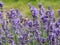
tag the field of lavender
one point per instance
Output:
(22, 5)
(42, 28)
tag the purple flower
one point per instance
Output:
(52, 26)
(30, 23)
(51, 36)
(44, 19)
(48, 13)
(35, 24)
(45, 28)
(56, 31)
(0, 43)
(20, 39)
(25, 37)
(1, 4)
(15, 21)
(40, 5)
(13, 13)
(42, 10)
(17, 11)
(57, 24)
(1, 15)
(59, 13)
(43, 40)
(3, 38)
(34, 12)
(49, 8)
(29, 5)
(12, 10)
(10, 41)
(10, 36)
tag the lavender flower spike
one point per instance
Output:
(59, 13)
(1, 4)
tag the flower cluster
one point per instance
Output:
(43, 29)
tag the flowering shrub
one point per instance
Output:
(17, 30)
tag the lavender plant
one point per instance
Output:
(43, 29)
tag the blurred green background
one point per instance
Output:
(22, 5)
